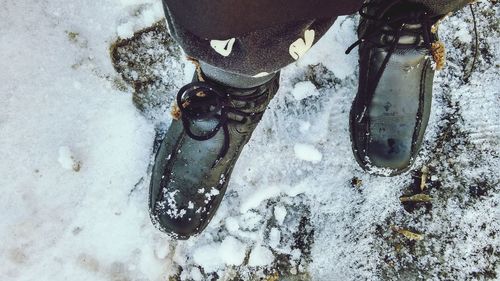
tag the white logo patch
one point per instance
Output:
(223, 47)
(261, 74)
(301, 46)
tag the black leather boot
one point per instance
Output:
(390, 112)
(197, 156)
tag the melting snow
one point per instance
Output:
(307, 152)
(63, 105)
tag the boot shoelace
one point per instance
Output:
(204, 101)
(391, 28)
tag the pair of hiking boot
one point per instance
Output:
(387, 119)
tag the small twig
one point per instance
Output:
(410, 235)
(418, 198)
(136, 186)
(476, 45)
(423, 180)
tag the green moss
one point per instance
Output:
(72, 36)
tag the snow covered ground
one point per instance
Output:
(77, 139)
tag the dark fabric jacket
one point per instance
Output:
(237, 17)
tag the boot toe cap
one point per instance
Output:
(181, 224)
(393, 155)
(181, 228)
(181, 211)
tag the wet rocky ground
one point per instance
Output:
(446, 227)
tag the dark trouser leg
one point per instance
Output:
(443, 7)
(250, 59)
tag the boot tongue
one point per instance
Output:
(204, 126)
(409, 34)
(409, 16)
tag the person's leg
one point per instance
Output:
(236, 79)
(399, 51)
(254, 54)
